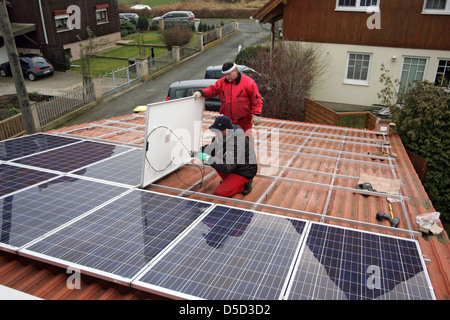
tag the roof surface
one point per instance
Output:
(306, 171)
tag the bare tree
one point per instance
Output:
(287, 77)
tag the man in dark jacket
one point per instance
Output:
(232, 155)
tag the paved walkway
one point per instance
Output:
(52, 85)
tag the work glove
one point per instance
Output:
(203, 156)
(197, 95)
(256, 120)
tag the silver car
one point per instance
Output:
(183, 18)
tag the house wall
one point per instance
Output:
(29, 12)
(332, 86)
(402, 25)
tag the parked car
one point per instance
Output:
(215, 72)
(186, 88)
(128, 16)
(33, 67)
(184, 18)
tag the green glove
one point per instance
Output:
(203, 156)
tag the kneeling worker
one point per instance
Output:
(232, 155)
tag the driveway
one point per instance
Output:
(155, 90)
(52, 85)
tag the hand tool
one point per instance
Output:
(394, 221)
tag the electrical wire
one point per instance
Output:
(202, 169)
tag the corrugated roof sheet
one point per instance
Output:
(305, 170)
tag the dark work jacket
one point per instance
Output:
(234, 154)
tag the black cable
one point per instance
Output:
(202, 170)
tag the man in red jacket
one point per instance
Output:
(239, 95)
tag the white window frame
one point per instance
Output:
(445, 11)
(358, 7)
(65, 17)
(356, 81)
(105, 10)
(437, 69)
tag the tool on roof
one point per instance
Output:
(394, 221)
(365, 186)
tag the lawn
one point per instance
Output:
(101, 66)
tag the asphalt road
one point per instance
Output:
(249, 34)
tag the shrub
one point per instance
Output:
(422, 122)
(176, 36)
(126, 28)
(142, 24)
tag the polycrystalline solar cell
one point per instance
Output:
(230, 254)
(339, 263)
(33, 212)
(125, 168)
(74, 156)
(123, 236)
(13, 178)
(24, 146)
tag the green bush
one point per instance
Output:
(126, 28)
(423, 122)
(142, 24)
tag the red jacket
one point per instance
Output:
(240, 99)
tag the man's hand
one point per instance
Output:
(203, 156)
(256, 120)
(197, 95)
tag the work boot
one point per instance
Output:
(247, 187)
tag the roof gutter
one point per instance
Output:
(43, 22)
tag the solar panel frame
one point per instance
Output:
(362, 254)
(72, 157)
(15, 178)
(252, 250)
(33, 144)
(116, 168)
(40, 209)
(107, 242)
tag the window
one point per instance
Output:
(101, 13)
(61, 22)
(413, 70)
(356, 5)
(358, 66)
(443, 73)
(436, 7)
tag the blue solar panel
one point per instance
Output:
(339, 263)
(230, 254)
(73, 157)
(24, 146)
(122, 237)
(125, 168)
(14, 178)
(31, 213)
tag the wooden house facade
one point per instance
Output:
(60, 24)
(358, 36)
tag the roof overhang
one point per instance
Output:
(19, 29)
(271, 12)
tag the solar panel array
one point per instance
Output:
(72, 202)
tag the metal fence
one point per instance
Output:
(228, 28)
(119, 80)
(65, 103)
(160, 62)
